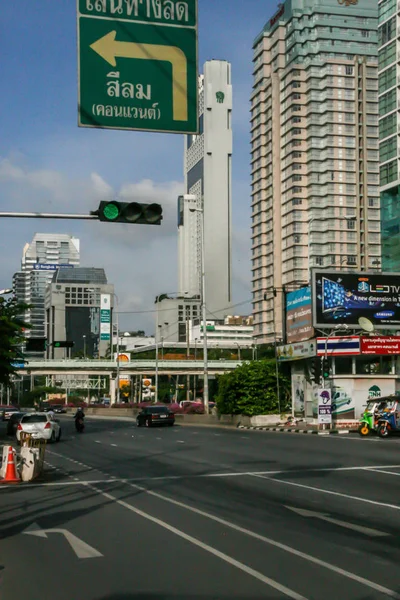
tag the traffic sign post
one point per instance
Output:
(137, 64)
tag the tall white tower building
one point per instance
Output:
(208, 185)
(40, 259)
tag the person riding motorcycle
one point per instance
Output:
(79, 416)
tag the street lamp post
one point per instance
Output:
(337, 328)
(238, 350)
(204, 312)
(117, 327)
(156, 340)
(84, 346)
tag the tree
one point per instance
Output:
(251, 390)
(12, 328)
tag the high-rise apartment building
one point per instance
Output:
(389, 85)
(314, 149)
(208, 177)
(40, 259)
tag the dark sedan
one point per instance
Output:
(13, 421)
(155, 415)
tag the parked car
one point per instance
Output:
(41, 426)
(7, 411)
(155, 415)
(13, 421)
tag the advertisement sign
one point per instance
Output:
(296, 351)
(45, 267)
(338, 346)
(105, 316)
(123, 357)
(324, 406)
(299, 316)
(380, 345)
(342, 298)
(298, 383)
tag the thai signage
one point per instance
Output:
(296, 351)
(299, 316)
(138, 65)
(380, 345)
(342, 298)
(105, 316)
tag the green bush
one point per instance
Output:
(251, 390)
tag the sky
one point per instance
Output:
(48, 163)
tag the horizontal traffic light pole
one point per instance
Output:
(109, 211)
(26, 215)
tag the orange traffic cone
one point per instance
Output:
(11, 475)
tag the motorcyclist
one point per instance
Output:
(79, 413)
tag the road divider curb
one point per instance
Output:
(291, 430)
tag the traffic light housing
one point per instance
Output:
(36, 345)
(63, 344)
(129, 212)
(315, 370)
(326, 368)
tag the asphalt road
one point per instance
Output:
(194, 513)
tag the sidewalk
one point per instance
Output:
(301, 427)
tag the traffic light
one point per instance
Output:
(129, 212)
(36, 345)
(326, 368)
(63, 344)
(315, 370)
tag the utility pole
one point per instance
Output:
(187, 356)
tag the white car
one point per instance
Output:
(41, 426)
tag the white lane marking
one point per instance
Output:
(210, 549)
(81, 549)
(180, 442)
(217, 434)
(114, 445)
(330, 492)
(158, 438)
(97, 441)
(275, 544)
(324, 517)
(377, 470)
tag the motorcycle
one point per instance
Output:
(79, 424)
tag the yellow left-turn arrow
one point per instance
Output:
(110, 49)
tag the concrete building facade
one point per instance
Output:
(72, 303)
(208, 177)
(389, 96)
(314, 149)
(40, 259)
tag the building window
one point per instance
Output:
(352, 260)
(388, 173)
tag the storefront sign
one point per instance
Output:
(296, 351)
(380, 345)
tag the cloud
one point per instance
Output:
(141, 261)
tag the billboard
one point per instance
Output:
(105, 317)
(299, 316)
(342, 298)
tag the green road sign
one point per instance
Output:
(137, 62)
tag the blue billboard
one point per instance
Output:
(299, 316)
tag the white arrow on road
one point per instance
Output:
(324, 517)
(81, 549)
